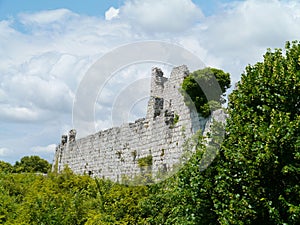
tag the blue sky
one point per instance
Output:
(47, 47)
(88, 7)
(10, 8)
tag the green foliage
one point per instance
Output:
(134, 155)
(5, 167)
(145, 165)
(145, 161)
(259, 171)
(176, 119)
(29, 164)
(199, 85)
(66, 198)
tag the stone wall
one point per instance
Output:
(116, 152)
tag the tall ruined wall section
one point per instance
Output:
(115, 152)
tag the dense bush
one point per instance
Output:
(66, 198)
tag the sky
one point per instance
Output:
(47, 48)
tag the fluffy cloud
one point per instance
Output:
(4, 151)
(242, 31)
(161, 15)
(35, 89)
(39, 72)
(44, 149)
(21, 114)
(46, 17)
(254, 23)
(111, 13)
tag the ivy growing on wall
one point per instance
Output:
(145, 161)
(176, 119)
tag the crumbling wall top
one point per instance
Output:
(72, 135)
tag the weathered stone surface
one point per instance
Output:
(72, 135)
(64, 139)
(114, 153)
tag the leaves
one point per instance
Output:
(260, 149)
(203, 89)
(32, 164)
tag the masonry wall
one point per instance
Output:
(114, 153)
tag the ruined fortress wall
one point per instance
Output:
(115, 153)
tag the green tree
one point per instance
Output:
(259, 166)
(32, 164)
(204, 88)
(5, 167)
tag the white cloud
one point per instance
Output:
(40, 73)
(44, 149)
(4, 151)
(20, 114)
(254, 23)
(46, 17)
(102, 124)
(161, 15)
(242, 32)
(35, 92)
(111, 13)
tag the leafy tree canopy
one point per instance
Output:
(32, 164)
(204, 88)
(259, 176)
(5, 167)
